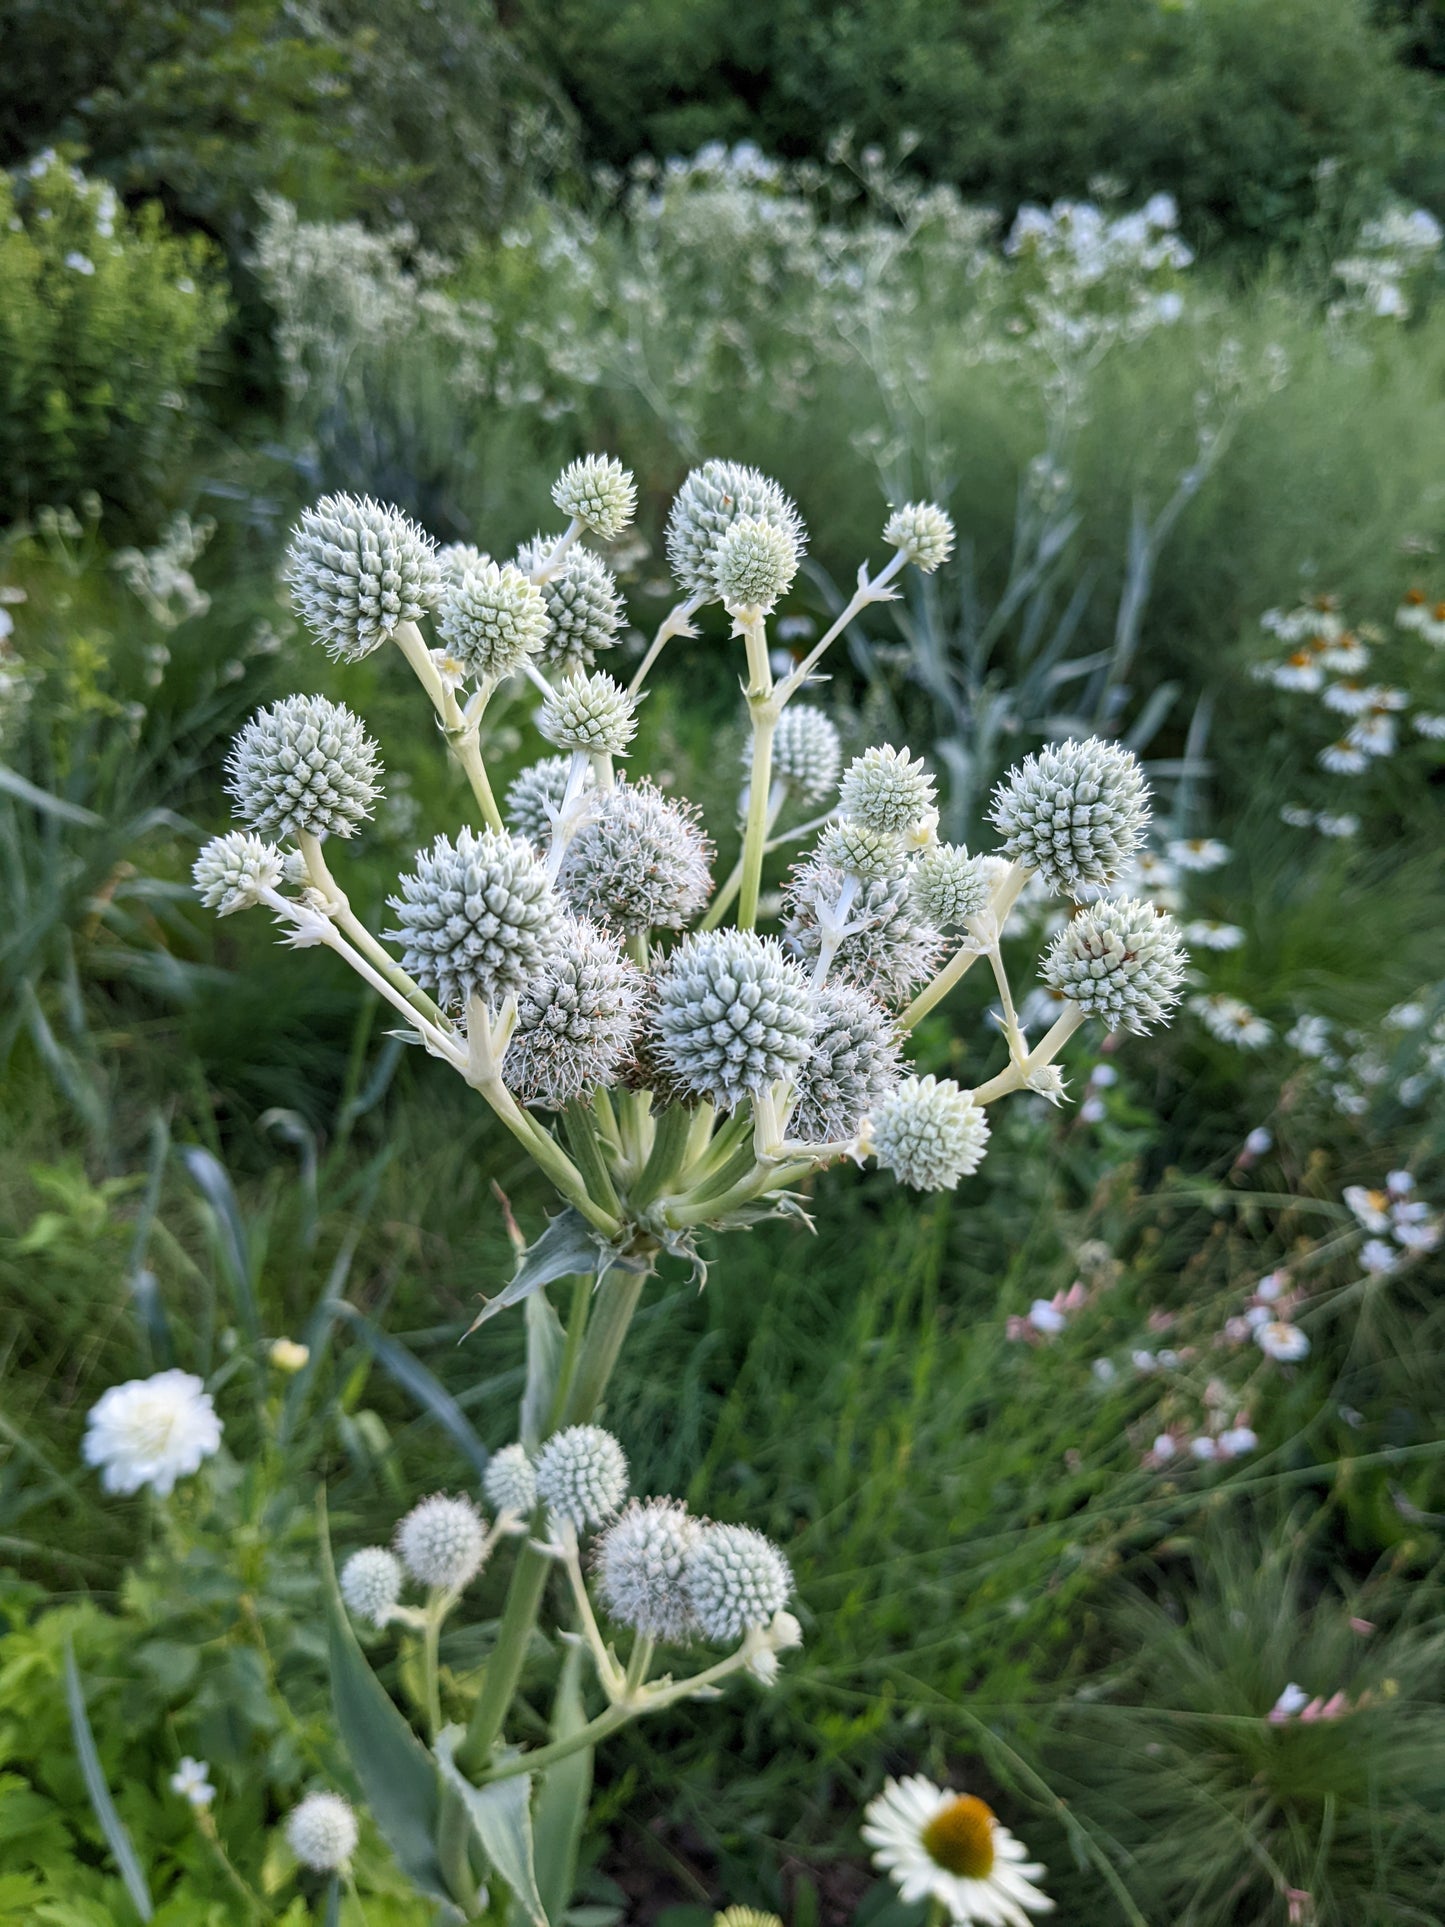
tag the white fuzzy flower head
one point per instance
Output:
(1076, 813)
(575, 1020)
(371, 1584)
(442, 1541)
(733, 1015)
(806, 753)
(639, 863)
(598, 492)
(582, 1475)
(756, 562)
(232, 870)
(584, 609)
(476, 918)
(356, 569)
(889, 947)
(322, 1832)
(950, 886)
(854, 1063)
(924, 532)
(538, 790)
(455, 558)
(491, 619)
(928, 1133)
(1119, 960)
(192, 1781)
(589, 711)
(887, 789)
(509, 1480)
(949, 1848)
(736, 1580)
(872, 856)
(641, 1567)
(304, 764)
(151, 1431)
(707, 505)
(1281, 1341)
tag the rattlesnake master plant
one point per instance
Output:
(674, 1070)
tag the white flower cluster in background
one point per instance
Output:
(1393, 253)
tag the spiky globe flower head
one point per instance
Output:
(599, 493)
(232, 870)
(491, 618)
(1121, 960)
(476, 918)
(928, 1133)
(745, 1917)
(371, 1584)
(887, 789)
(509, 1480)
(872, 856)
(923, 532)
(950, 886)
(806, 753)
(304, 764)
(455, 558)
(1076, 813)
(356, 569)
(575, 1020)
(639, 862)
(855, 1062)
(710, 501)
(734, 1014)
(889, 947)
(736, 1580)
(322, 1832)
(442, 1542)
(582, 1475)
(756, 563)
(584, 609)
(540, 787)
(589, 711)
(641, 1566)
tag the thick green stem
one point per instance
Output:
(764, 713)
(668, 1148)
(582, 1136)
(613, 1304)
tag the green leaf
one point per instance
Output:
(396, 1774)
(568, 1246)
(560, 1809)
(111, 1824)
(425, 1388)
(502, 1816)
(209, 1176)
(25, 792)
(545, 1343)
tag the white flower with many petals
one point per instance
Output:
(947, 1847)
(1281, 1341)
(151, 1431)
(1198, 853)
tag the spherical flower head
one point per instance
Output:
(734, 1014)
(923, 532)
(745, 1917)
(589, 711)
(736, 1580)
(232, 870)
(1121, 960)
(476, 918)
(371, 1584)
(455, 558)
(641, 1568)
(151, 1431)
(582, 1475)
(356, 569)
(322, 1832)
(950, 886)
(442, 1542)
(949, 1849)
(304, 764)
(491, 618)
(928, 1133)
(890, 948)
(576, 1019)
(872, 856)
(537, 791)
(509, 1480)
(598, 492)
(639, 863)
(806, 753)
(1076, 813)
(855, 1062)
(886, 789)
(584, 609)
(756, 562)
(707, 505)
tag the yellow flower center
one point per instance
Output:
(959, 1838)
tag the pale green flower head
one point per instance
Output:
(733, 1015)
(1120, 960)
(710, 501)
(887, 789)
(1076, 812)
(872, 856)
(950, 886)
(476, 918)
(736, 1580)
(442, 1542)
(322, 1832)
(928, 1133)
(641, 1567)
(356, 569)
(371, 1584)
(575, 1020)
(599, 493)
(538, 789)
(854, 1063)
(304, 764)
(582, 1475)
(639, 862)
(807, 754)
(584, 608)
(923, 532)
(756, 563)
(510, 1481)
(491, 618)
(232, 870)
(589, 711)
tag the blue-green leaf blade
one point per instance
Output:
(502, 1816)
(111, 1824)
(423, 1385)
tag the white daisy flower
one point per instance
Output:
(1421, 1236)
(1375, 734)
(1347, 656)
(1429, 725)
(1232, 1021)
(1378, 1257)
(1348, 698)
(1299, 671)
(1342, 826)
(1283, 1342)
(1209, 935)
(1343, 759)
(949, 1848)
(1198, 853)
(151, 1431)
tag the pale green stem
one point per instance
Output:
(460, 733)
(1047, 1049)
(639, 1663)
(439, 1603)
(606, 1119)
(340, 911)
(763, 710)
(677, 622)
(722, 902)
(699, 1135)
(582, 1136)
(558, 554)
(669, 1146)
(968, 954)
(1017, 1046)
(608, 1672)
(867, 592)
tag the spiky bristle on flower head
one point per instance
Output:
(854, 1063)
(356, 569)
(510, 1481)
(231, 871)
(491, 619)
(1075, 812)
(924, 533)
(1120, 960)
(889, 947)
(928, 1133)
(582, 1475)
(733, 1014)
(476, 918)
(598, 492)
(639, 862)
(887, 789)
(584, 608)
(442, 1542)
(710, 501)
(589, 711)
(641, 1567)
(736, 1580)
(575, 1020)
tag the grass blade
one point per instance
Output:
(111, 1824)
(424, 1387)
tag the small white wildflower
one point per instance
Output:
(950, 1850)
(582, 1475)
(510, 1481)
(191, 1780)
(1232, 1021)
(1281, 1341)
(924, 533)
(151, 1431)
(736, 1580)
(1198, 853)
(371, 1584)
(598, 492)
(1378, 1257)
(1209, 935)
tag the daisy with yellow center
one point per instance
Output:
(949, 1849)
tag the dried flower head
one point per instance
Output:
(806, 753)
(950, 886)
(854, 1063)
(889, 947)
(476, 918)
(641, 1567)
(584, 609)
(304, 764)
(538, 790)
(928, 1133)
(756, 563)
(582, 1475)
(322, 1832)
(733, 1015)
(356, 569)
(589, 711)
(639, 862)
(232, 870)
(924, 532)
(371, 1584)
(1076, 813)
(1120, 960)
(599, 493)
(576, 1019)
(736, 1580)
(510, 1481)
(442, 1542)
(710, 500)
(886, 789)
(491, 619)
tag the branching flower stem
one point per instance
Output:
(1017, 1075)
(338, 908)
(870, 589)
(462, 734)
(677, 622)
(969, 952)
(764, 709)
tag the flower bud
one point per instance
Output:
(441, 1542)
(1076, 813)
(598, 492)
(928, 1133)
(232, 870)
(582, 1475)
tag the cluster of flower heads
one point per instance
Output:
(1402, 1058)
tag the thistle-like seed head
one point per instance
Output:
(950, 886)
(599, 492)
(711, 499)
(872, 856)
(576, 1019)
(886, 789)
(929, 1133)
(806, 753)
(539, 787)
(584, 608)
(304, 764)
(641, 1566)
(510, 1481)
(371, 1584)
(491, 618)
(733, 1014)
(854, 1063)
(756, 563)
(1076, 812)
(639, 862)
(582, 1475)
(476, 918)
(589, 711)
(1121, 960)
(442, 1541)
(232, 870)
(322, 1832)
(924, 532)
(736, 1580)
(356, 569)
